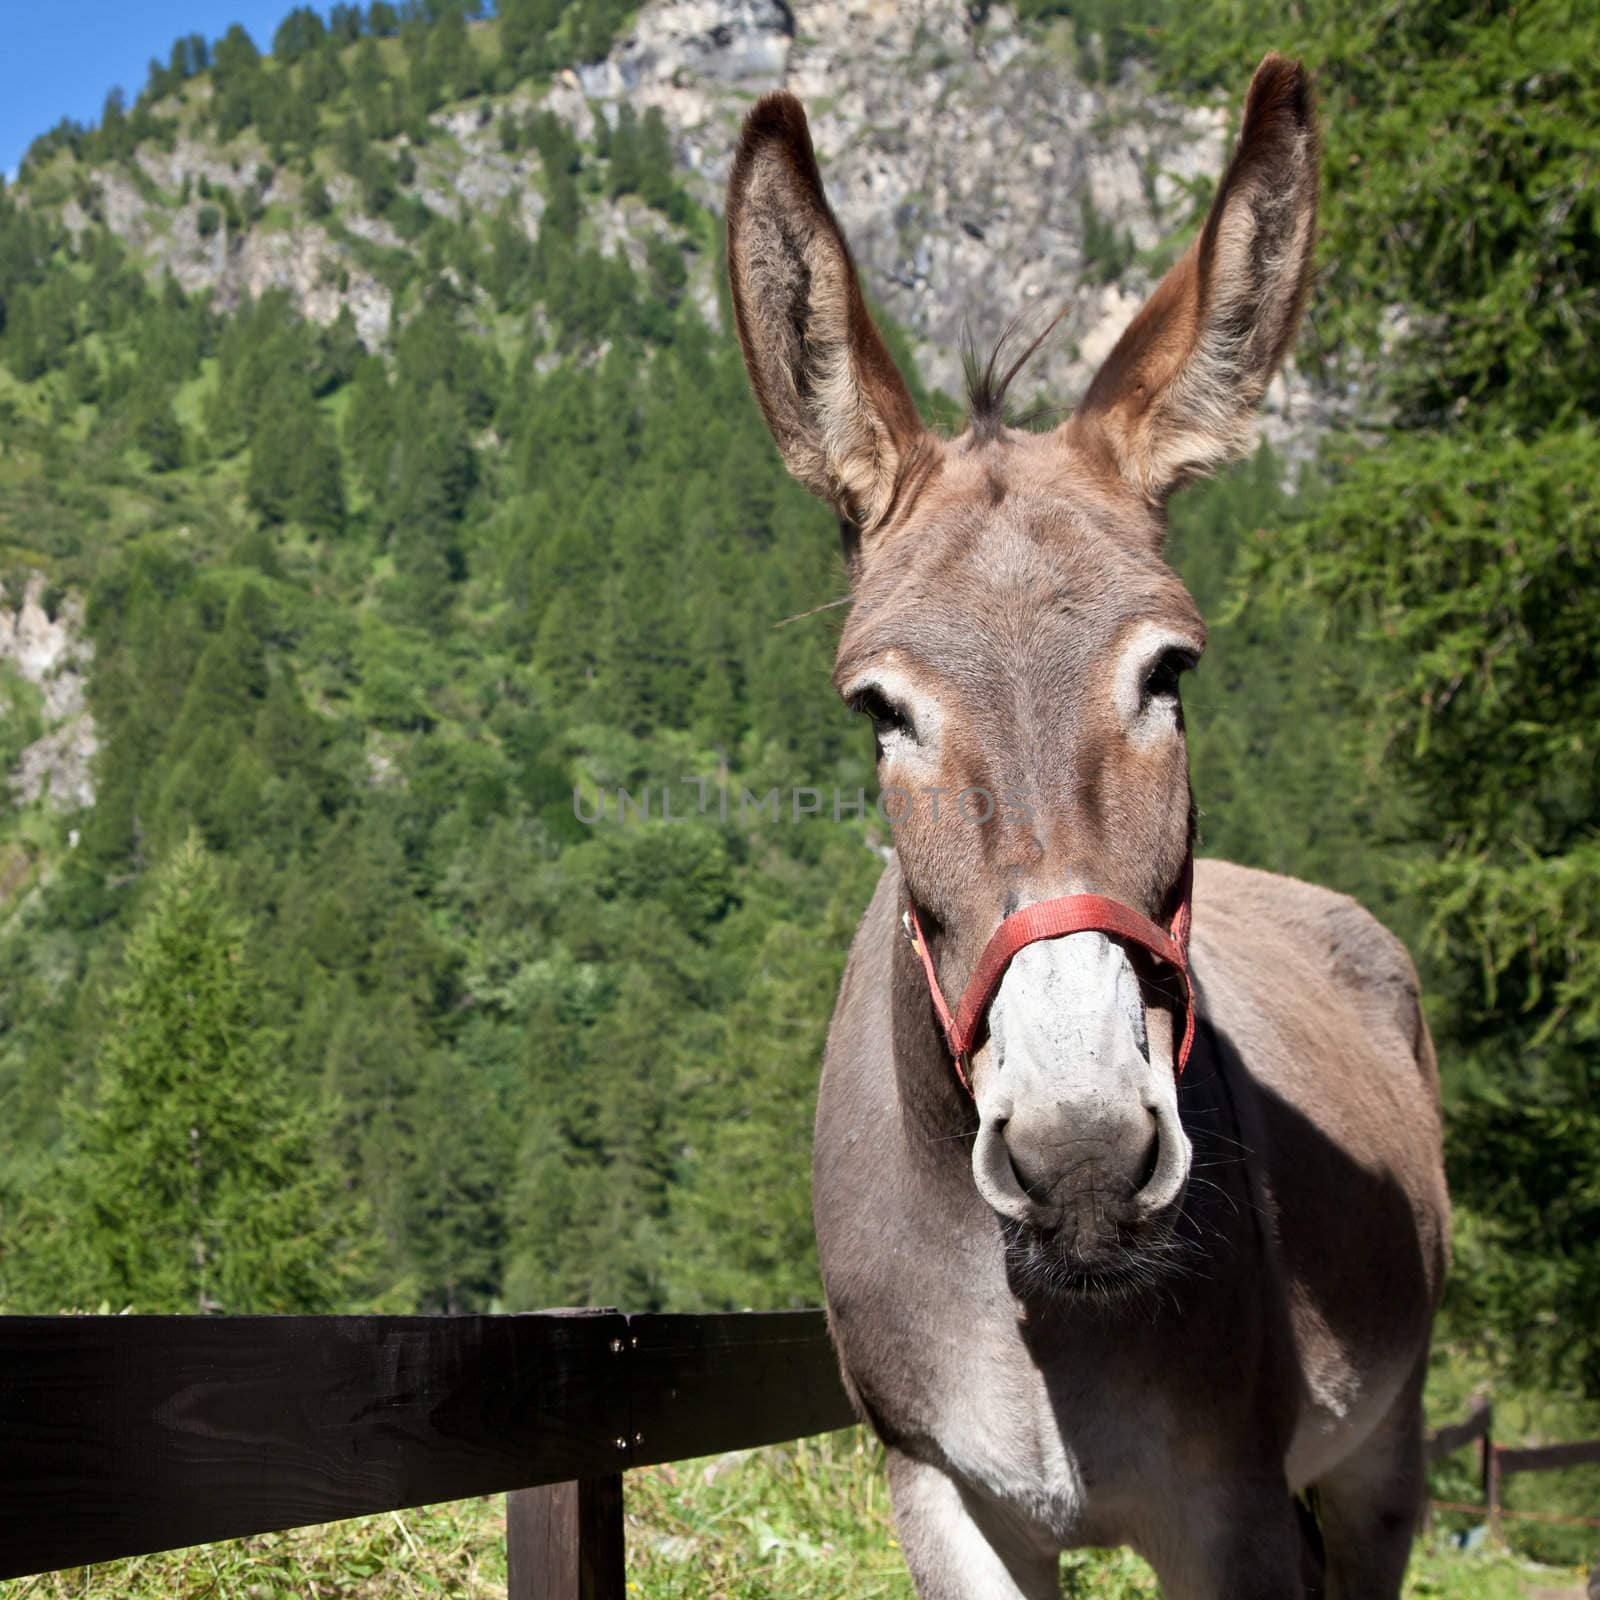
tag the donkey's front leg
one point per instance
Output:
(959, 1547)
(1371, 1504)
(1231, 1541)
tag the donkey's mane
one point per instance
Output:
(987, 385)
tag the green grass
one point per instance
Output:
(806, 1521)
(456, 1549)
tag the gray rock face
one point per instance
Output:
(980, 178)
(707, 43)
(974, 197)
(54, 654)
(320, 274)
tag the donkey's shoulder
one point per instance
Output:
(1341, 928)
(1276, 924)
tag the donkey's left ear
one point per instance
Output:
(842, 416)
(1176, 397)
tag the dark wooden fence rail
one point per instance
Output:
(1454, 1435)
(1496, 1463)
(123, 1435)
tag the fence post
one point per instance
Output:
(564, 1541)
(1491, 1477)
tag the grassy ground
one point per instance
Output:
(808, 1521)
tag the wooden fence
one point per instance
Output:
(1496, 1463)
(123, 1435)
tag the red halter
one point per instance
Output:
(1051, 919)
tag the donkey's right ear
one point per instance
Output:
(842, 416)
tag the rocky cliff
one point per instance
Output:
(50, 655)
(980, 178)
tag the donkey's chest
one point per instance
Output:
(951, 1382)
(1007, 1442)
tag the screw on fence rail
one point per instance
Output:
(564, 1541)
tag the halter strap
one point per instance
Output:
(1053, 919)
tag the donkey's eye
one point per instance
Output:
(1162, 682)
(887, 718)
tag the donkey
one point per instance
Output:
(1084, 1299)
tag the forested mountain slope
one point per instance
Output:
(376, 469)
(958, 147)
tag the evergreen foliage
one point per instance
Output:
(295, 472)
(1462, 242)
(156, 429)
(365, 619)
(193, 1180)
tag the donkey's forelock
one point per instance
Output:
(989, 383)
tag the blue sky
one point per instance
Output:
(61, 56)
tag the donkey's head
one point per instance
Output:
(1016, 640)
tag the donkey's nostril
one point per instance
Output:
(1024, 1183)
(1152, 1155)
(1031, 1167)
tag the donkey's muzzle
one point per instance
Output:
(1060, 1170)
(1078, 1130)
(1091, 1186)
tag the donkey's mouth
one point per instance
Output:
(1049, 1263)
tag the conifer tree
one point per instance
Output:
(197, 1181)
(239, 82)
(369, 424)
(436, 476)
(295, 468)
(624, 145)
(458, 1184)
(742, 1208)
(654, 156)
(156, 429)
(299, 34)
